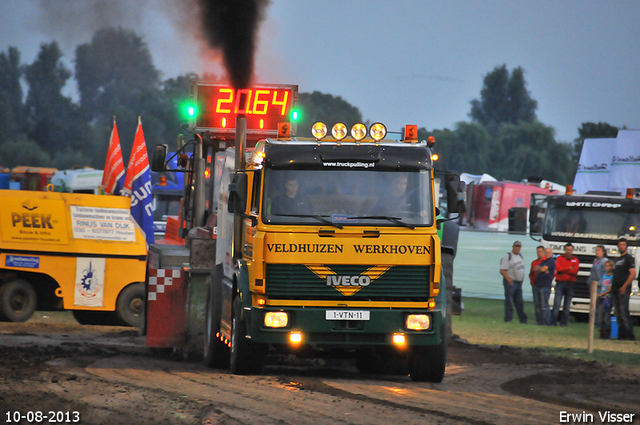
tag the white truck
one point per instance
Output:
(587, 221)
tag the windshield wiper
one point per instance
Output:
(395, 220)
(316, 216)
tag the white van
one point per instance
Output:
(82, 180)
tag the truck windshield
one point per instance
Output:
(347, 197)
(603, 224)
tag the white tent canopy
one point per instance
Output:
(609, 164)
(594, 166)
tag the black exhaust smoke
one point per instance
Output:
(232, 27)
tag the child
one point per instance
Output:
(604, 302)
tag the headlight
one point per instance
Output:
(358, 131)
(418, 322)
(276, 319)
(319, 130)
(377, 131)
(339, 131)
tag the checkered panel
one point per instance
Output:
(159, 279)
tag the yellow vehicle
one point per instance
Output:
(70, 251)
(325, 246)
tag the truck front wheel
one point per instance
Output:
(428, 362)
(18, 301)
(216, 352)
(247, 357)
(130, 305)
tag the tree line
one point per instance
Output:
(115, 76)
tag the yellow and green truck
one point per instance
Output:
(324, 246)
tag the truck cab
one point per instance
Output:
(339, 253)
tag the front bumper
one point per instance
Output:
(321, 333)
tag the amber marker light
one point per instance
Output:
(434, 157)
(262, 302)
(418, 322)
(377, 131)
(319, 130)
(339, 131)
(295, 338)
(359, 131)
(399, 339)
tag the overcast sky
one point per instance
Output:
(400, 62)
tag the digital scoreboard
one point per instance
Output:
(214, 107)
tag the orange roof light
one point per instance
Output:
(569, 189)
(411, 133)
(431, 141)
(284, 130)
(629, 194)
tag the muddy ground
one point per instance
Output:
(106, 374)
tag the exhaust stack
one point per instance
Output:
(240, 164)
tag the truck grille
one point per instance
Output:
(398, 283)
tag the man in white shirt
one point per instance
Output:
(512, 270)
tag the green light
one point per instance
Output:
(295, 115)
(191, 111)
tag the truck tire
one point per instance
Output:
(246, 357)
(216, 352)
(130, 305)
(18, 301)
(428, 362)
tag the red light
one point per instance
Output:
(224, 122)
(261, 124)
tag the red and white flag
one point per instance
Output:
(113, 177)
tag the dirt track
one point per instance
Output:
(109, 377)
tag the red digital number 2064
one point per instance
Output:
(249, 101)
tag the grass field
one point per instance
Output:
(482, 322)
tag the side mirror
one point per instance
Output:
(238, 193)
(456, 194)
(159, 155)
(533, 214)
(534, 222)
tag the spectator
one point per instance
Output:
(512, 271)
(567, 267)
(544, 276)
(604, 303)
(597, 271)
(623, 274)
(532, 280)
